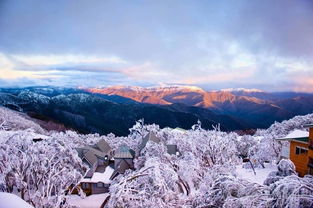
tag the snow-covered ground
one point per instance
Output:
(261, 173)
(92, 201)
(12, 201)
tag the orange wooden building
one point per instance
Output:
(300, 150)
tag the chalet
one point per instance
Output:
(172, 149)
(149, 137)
(39, 137)
(104, 165)
(97, 157)
(298, 147)
(123, 160)
(99, 182)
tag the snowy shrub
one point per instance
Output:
(293, 191)
(156, 183)
(285, 168)
(229, 191)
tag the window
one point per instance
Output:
(85, 185)
(100, 185)
(301, 150)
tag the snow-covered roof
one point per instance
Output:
(41, 136)
(179, 130)
(258, 138)
(12, 201)
(100, 177)
(297, 134)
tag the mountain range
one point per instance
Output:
(254, 108)
(115, 109)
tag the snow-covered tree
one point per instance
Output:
(284, 168)
(203, 175)
(41, 172)
(293, 191)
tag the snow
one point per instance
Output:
(297, 134)
(261, 173)
(93, 201)
(258, 138)
(100, 177)
(157, 88)
(39, 136)
(12, 201)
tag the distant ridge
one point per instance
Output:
(166, 95)
(253, 106)
(116, 108)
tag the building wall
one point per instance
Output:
(86, 187)
(285, 151)
(300, 161)
(92, 188)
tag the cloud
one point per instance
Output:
(214, 44)
(33, 60)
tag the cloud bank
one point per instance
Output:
(213, 44)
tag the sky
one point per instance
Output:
(213, 44)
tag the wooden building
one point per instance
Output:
(97, 157)
(149, 137)
(172, 149)
(105, 164)
(123, 160)
(300, 144)
(99, 182)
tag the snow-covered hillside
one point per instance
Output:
(12, 120)
(204, 174)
